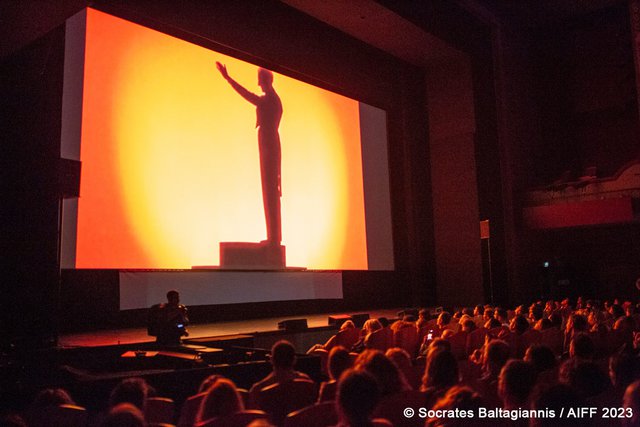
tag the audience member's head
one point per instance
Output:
(339, 361)
(389, 378)
(400, 358)
(536, 311)
(221, 400)
(52, 397)
(357, 397)
(283, 355)
(496, 354)
(206, 384)
(12, 420)
(460, 398)
(384, 322)
(130, 390)
(542, 324)
(577, 323)
(585, 377)
(347, 324)
(124, 415)
(519, 325)
(516, 382)
(441, 371)
(443, 319)
(478, 310)
(501, 314)
(541, 357)
(468, 325)
(623, 369)
(371, 325)
(582, 347)
(556, 320)
(556, 398)
(440, 343)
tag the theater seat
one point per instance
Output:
(189, 410)
(278, 400)
(58, 416)
(319, 415)
(239, 419)
(159, 410)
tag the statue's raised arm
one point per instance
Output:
(242, 91)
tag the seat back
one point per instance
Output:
(378, 340)
(189, 411)
(239, 419)
(159, 410)
(552, 338)
(322, 414)
(280, 399)
(458, 343)
(475, 339)
(407, 339)
(58, 416)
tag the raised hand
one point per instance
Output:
(223, 70)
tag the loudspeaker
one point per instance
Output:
(338, 319)
(359, 319)
(293, 325)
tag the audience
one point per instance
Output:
(594, 333)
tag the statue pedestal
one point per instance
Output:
(252, 256)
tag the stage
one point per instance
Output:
(139, 335)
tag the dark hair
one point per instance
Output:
(541, 357)
(357, 396)
(556, 398)
(517, 379)
(283, 354)
(389, 378)
(537, 311)
(222, 399)
(130, 390)
(445, 317)
(501, 312)
(520, 325)
(172, 293)
(441, 370)
(52, 397)
(583, 346)
(496, 355)
(623, 368)
(586, 377)
(383, 321)
(339, 361)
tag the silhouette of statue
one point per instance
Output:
(268, 115)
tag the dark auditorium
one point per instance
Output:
(320, 213)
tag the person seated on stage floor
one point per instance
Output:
(283, 359)
(168, 322)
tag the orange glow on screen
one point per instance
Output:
(170, 163)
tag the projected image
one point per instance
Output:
(174, 163)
